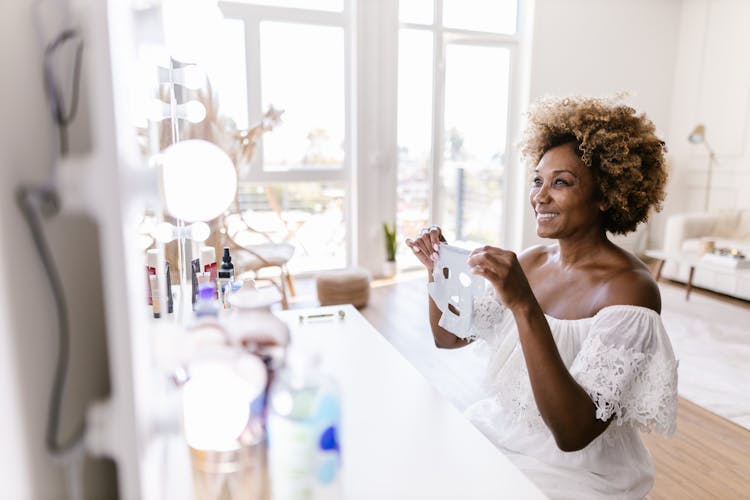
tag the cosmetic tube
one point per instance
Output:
(208, 265)
(195, 265)
(155, 302)
(170, 302)
(152, 261)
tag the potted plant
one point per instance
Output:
(389, 267)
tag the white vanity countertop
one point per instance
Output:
(400, 438)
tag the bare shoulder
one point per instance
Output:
(536, 256)
(630, 283)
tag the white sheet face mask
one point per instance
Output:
(454, 285)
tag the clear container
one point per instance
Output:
(252, 325)
(304, 416)
(226, 441)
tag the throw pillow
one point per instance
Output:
(726, 224)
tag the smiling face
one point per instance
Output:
(563, 195)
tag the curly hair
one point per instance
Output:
(620, 147)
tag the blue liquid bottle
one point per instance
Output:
(304, 417)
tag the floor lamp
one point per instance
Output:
(698, 136)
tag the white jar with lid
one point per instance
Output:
(252, 325)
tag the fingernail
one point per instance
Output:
(435, 257)
(436, 247)
(416, 249)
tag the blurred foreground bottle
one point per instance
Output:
(303, 426)
(252, 326)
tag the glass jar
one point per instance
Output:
(226, 441)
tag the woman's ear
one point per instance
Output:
(603, 206)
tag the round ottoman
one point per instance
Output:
(347, 286)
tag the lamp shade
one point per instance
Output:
(199, 180)
(698, 135)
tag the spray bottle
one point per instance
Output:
(226, 276)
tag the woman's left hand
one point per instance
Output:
(502, 269)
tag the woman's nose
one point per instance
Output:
(540, 194)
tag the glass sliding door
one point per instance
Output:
(474, 133)
(455, 79)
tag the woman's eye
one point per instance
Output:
(562, 182)
(536, 181)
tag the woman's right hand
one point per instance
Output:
(426, 246)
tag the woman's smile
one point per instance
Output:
(545, 216)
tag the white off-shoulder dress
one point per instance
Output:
(623, 359)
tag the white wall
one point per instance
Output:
(712, 86)
(374, 170)
(601, 47)
(28, 344)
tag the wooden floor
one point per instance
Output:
(708, 457)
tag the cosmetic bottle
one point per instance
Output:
(152, 261)
(226, 443)
(252, 326)
(304, 455)
(195, 267)
(203, 278)
(206, 305)
(155, 301)
(225, 276)
(170, 300)
(230, 289)
(208, 265)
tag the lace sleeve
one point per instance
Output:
(487, 313)
(627, 366)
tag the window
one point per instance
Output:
(432, 97)
(306, 78)
(293, 58)
(455, 66)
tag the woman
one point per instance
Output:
(579, 361)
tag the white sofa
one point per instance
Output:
(684, 242)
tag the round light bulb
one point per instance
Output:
(155, 110)
(199, 180)
(195, 112)
(199, 231)
(164, 232)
